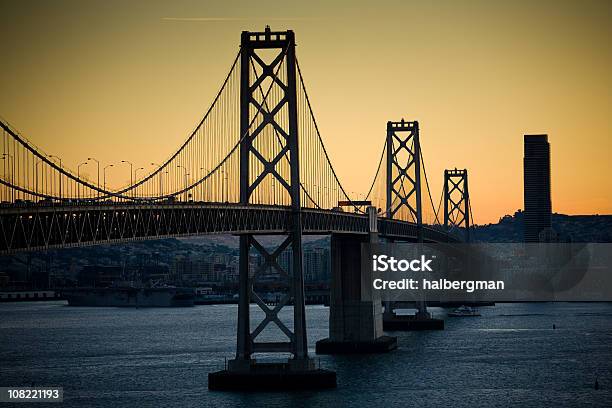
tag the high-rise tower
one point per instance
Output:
(536, 178)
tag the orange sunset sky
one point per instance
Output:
(128, 80)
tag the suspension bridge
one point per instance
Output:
(255, 164)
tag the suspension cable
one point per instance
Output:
(357, 209)
(427, 184)
(107, 193)
(382, 155)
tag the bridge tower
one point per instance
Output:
(404, 163)
(404, 196)
(281, 120)
(456, 201)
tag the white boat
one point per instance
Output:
(464, 311)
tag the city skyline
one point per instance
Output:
(113, 78)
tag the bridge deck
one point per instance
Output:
(39, 227)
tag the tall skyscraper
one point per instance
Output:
(536, 178)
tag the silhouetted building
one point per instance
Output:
(536, 177)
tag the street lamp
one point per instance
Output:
(160, 177)
(136, 178)
(167, 173)
(36, 171)
(104, 171)
(223, 191)
(6, 156)
(131, 172)
(186, 174)
(203, 174)
(187, 195)
(98, 163)
(79, 177)
(136, 172)
(51, 156)
(326, 194)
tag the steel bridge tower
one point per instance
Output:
(251, 106)
(280, 115)
(404, 194)
(456, 201)
(404, 162)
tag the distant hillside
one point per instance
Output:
(271, 241)
(579, 228)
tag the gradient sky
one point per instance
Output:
(128, 80)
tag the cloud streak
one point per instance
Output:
(232, 19)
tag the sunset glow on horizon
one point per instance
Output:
(130, 81)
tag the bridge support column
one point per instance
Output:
(404, 196)
(456, 201)
(263, 121)
(355, 318)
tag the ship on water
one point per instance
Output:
(130, 296)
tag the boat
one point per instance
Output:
(130, 297)
(29, 295)
(464, 311)
(207, 296)
(214, 299)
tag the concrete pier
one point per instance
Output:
(393, 322)
(251, 376)
(355, 318)
(421, 320)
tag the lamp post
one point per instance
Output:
(104, 171)
(131, 172)
(98, 163)
(203, 174)
(187, 195)
(160, 177)
(136, 178)
(326, 194)
(36, 175)
(6, 156)
(223, 191)
(79, 177)
(167, 173)
(186, 174)
(226, 185)
(51, 156)
(318, 195)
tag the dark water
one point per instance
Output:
(109, 357)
